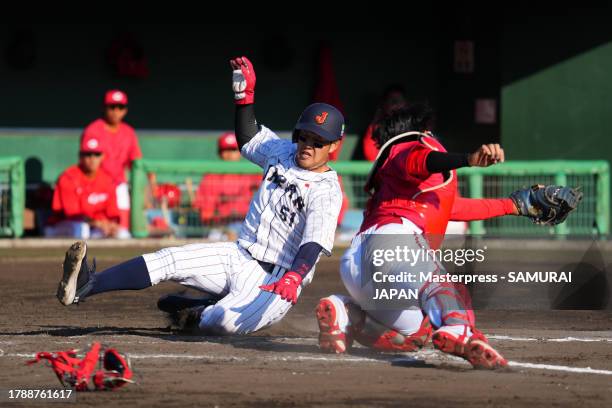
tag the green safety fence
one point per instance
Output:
(592, 217)
(12, 196)
(593, 177)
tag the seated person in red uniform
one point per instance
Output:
(225, 198)
(120, 144)
(84, 202)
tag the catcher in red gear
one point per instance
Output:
(413, 187)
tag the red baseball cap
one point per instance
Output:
(91, 144)
(227, 141)
(115, 97)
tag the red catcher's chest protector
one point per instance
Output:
(399, 190)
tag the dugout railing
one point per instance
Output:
(12, 196)
(184, 216)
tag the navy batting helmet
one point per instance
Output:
(321, 119)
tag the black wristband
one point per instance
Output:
(306, 258)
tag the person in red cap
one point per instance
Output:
(228, 147)
(225, 198)
(84, 202)
(120, 143)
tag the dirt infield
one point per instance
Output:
(550, 352)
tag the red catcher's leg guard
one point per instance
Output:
(64, 364)
(69, 369)
(86, 367)
(391, 340)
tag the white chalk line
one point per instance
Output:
(339, 359)
(581, 370)
(553, 340)
(311, 340)
(215, 358)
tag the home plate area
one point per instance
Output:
(557, 358)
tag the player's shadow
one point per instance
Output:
(265, 343)
(288, 347)
(253, 342)
(306, 352)
(69, 331)
(276, 344)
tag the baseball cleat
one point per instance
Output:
(331, 338)
(188, 320)
(391, 340)
(77, 280)
(374, 334)
(475, 349)
(174, 302)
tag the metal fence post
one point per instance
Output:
(17, 177)
(137, 215)
(561, 180)
(475, 182)
(602, 205)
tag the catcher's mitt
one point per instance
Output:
(548, 205)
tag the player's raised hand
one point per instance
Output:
(286, 287)
(243, 81)
(487, 155)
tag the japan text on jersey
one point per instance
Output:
(292, 207)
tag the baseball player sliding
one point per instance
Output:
(291, 222)
(413, 183)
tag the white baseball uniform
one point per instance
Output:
(292, 207)
(405, 321)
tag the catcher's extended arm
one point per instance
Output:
(547, 205)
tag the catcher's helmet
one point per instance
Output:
(321, 119)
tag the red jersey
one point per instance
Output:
(370, 150)
(121, 148)
(334, 156)
(78, 197)
(225, 197)
(405, 189)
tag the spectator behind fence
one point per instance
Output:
(394, 97)
(84, 202)
(225, 198)
(121, 147)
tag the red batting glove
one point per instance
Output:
(243, 81)
(286, 286)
